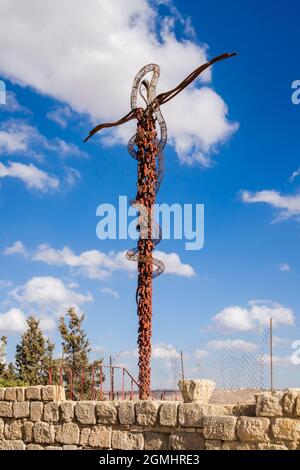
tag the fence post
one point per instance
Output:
(93, 383)
(123, 376)
(111, 378)
(50, 376)
(71, 385)
(101, 384)
(82, 384)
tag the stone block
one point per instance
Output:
(168, 414)
(125, 440)
(126, 412)
(43, 433)
(6, 410)
(51, 412)
(21, 409)
(12, 445)
(286, 429)
(191, 414)
(156, 441)
(269, 404)
(100, 437)
(253, 429)
(146, 412)
(219, 427)
(68, 433)
(10, 394)
(14, 430)
(53, 393)
(67, 411)
(187, 441)
(106, 413)
(34, 393)
(85, 412)
(36, 411)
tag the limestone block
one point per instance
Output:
(253, 429)
(213, 445)
(186, 441)
(106, 413)
(13, 430)
(53, 393)
(21, 409)
(51, 412)
(36, 410)
(85, 412)
(6, 409)
(168, 414)
(12, 445)
(84, 436)
(219, 427)
(67, 411)
(27, 431)
(67, 433)
(20, 392)
(196, 390)
(34, 447)
(156, 441)
(146, 412)
(286, 429)
(125, 440)
(33, 393)
(10, 394)
(238, 446)
(126, 412)
(269, 404)
(43, 433)
(191, 414)
(100, 437)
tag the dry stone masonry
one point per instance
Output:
(39, 418)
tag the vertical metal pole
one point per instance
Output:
(182, 366)
(123, 377)
(111, 378)
(93, 384)
(271, 355)
(101, 384)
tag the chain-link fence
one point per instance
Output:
(240, 367)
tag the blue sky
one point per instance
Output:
(241, 167)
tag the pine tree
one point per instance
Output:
(76, 349)
(33, 355)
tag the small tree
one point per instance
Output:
(76, 349)
(3, 344)
(33, 355)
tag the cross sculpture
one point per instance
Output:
(145, 147)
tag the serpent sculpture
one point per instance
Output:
(145, 147)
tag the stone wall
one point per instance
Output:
(37, 418)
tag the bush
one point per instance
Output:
(12, 383)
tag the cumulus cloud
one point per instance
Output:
(232, 345)
(17, 248)
(277, 360)
(60, 115)
(94, 59)
(95, 264)
(295, 175)
(49, 294)
(13, 106)
(12, 322)
(256, 314)
(33, 177)
(287, 205)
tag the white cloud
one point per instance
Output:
(95, 58)
(232, 345)
(95, 264)
(284, 267)
(18, 137)
(49, 294)
(33, 177)
(257, 314)
(13, 321)
(60, 115)
(277, 360)
(165, 351)
(13, 106)
(289, 206)
(17, 248)
(295, 175)
(109, 291)
(4, 283)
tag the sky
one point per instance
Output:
(233, 146)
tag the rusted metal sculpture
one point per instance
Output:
(147, 149)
